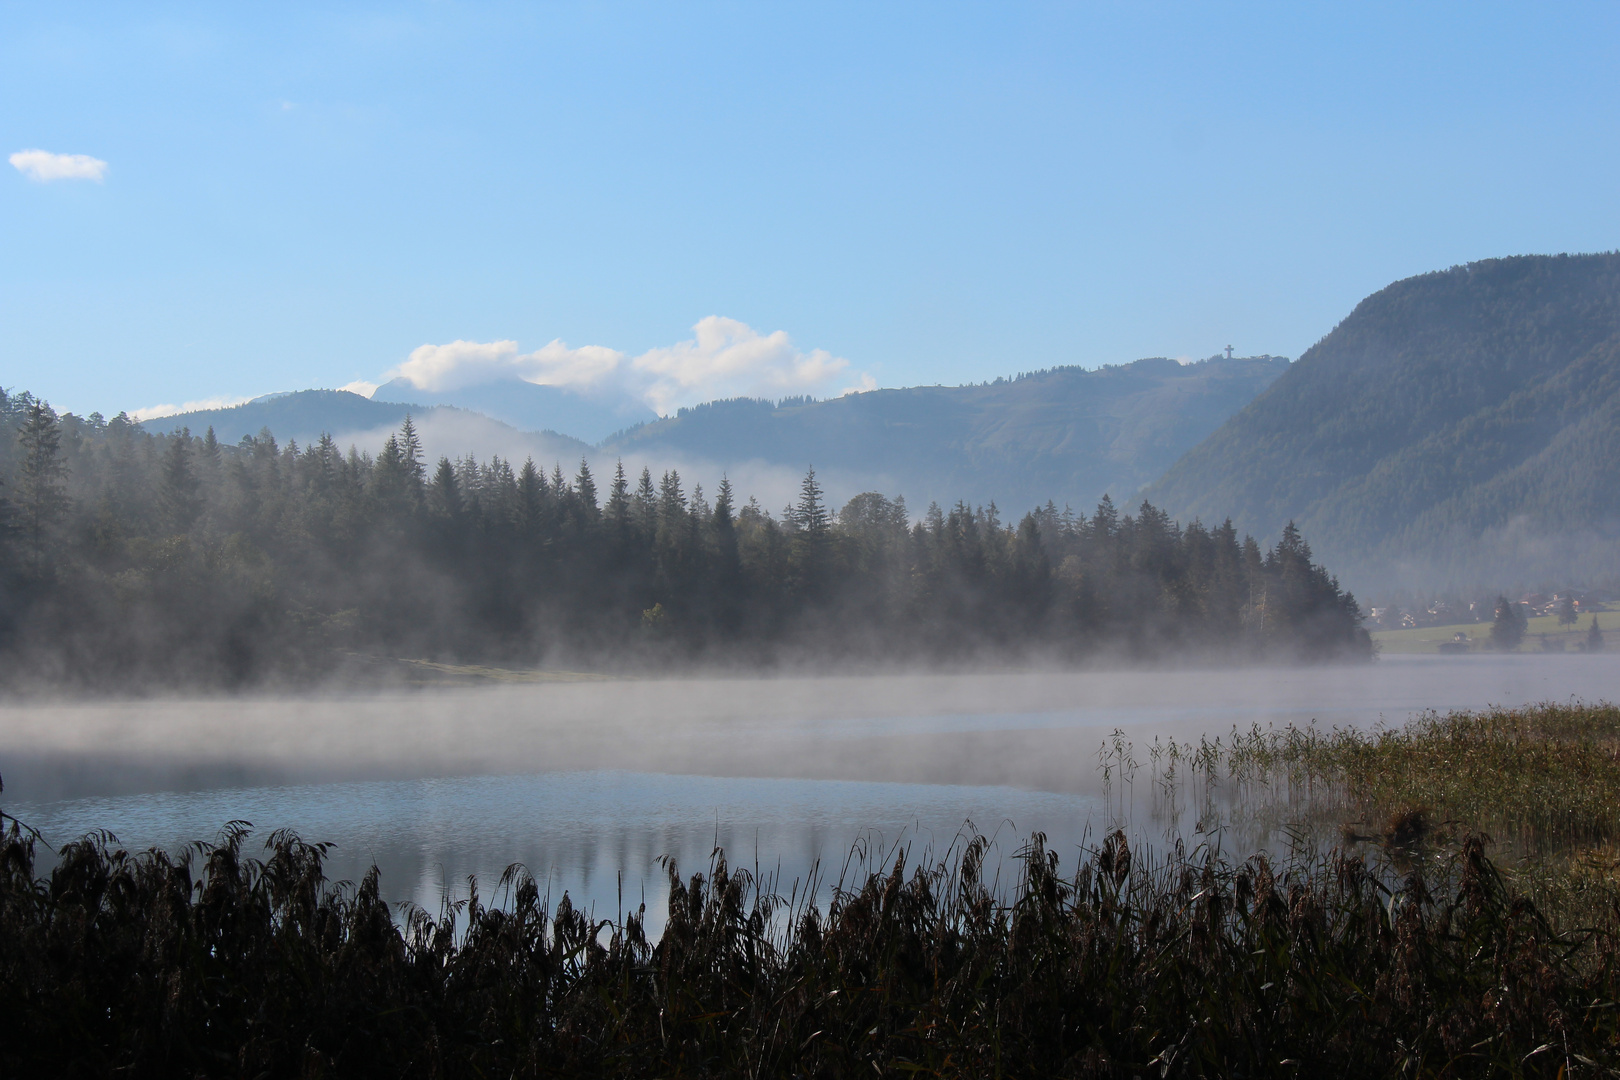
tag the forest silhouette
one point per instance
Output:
(173, 558)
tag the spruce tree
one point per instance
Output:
(410, 449)
(810, 513)
(728, 579)
(208, 458)
(501, 495)
(724, 522)
(533, 498)
(178, 488)
(618, 504)
(390, 483)
(559, 487)
(1105, 522)
(1507, 629)
(328, 460)
(1594, 637)
(671, 510)
(645, 505)
(41, 477)
(811, 542)
(445, 494)
(1030, 575)
(585, 491)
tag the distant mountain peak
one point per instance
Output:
(530, 406)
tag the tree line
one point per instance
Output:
(131, 554)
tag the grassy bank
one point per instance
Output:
(1540, 785)
(1542, 633)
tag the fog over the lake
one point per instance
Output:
(589, 783)
(1031, 730)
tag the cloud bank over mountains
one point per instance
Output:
(155, 412)
(592, 391)
(723, 358)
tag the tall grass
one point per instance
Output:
(1539, 785)
(1542, 778)
(215, 963)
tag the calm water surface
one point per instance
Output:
(589, 784)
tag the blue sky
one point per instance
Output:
(299, 196)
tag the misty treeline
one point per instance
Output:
(128, 553)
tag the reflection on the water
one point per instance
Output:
(597, 835)
(589, 784)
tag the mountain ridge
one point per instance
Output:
(1456, 426)
(306, 415)
(1069, 433)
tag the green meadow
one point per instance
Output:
(1543, 633)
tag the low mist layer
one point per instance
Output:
(1027, 730)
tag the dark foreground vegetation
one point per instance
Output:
(216, 964)
(126, 556)
(1410, 944)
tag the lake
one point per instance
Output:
(588, 783)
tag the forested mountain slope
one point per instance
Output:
(305, 415)
(1458, 427)
(1067, 434)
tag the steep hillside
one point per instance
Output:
(351, 419)
(1458, 427)
(1067, 434)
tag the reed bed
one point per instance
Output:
(216, 963)
(1539, 785)
(1545, 777)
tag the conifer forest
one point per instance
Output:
(172, 557)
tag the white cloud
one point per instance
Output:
(361, 387)
(582, 368)
(723, 358)
(43, 166)
(155, 412)
(460, 363)
(469, 363)
(727, 358)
